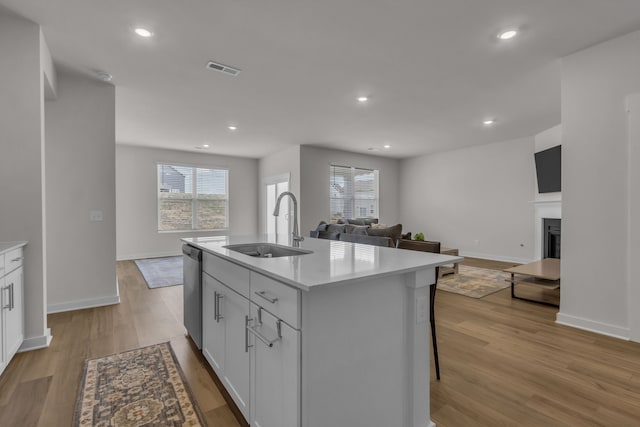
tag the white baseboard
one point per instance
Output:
(593, 326)
(432, 424)
(146, 255)
(35, 343)
(495, 257)
(79, 305)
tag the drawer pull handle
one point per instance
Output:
(20, 258)
(263, 294)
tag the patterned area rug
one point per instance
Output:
(474, 282)
(161, 272)
(142, 387)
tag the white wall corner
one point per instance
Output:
(593, 326)
(35, 343)
(48, 69)
(81, 304)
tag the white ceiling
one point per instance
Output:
(433, 69)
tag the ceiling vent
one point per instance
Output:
(223, 68)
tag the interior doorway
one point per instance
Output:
(278, 226)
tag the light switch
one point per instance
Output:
(95, 216)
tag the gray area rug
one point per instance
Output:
(161, 272)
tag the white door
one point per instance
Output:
(275, 379)
(213, 341)
(277, 226)
(235, 309)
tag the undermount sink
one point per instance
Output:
(267, 250)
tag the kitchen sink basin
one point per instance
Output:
(267, 250)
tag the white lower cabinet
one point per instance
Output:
(275, 371)
(235, 309)
(254, 353)
(11, 306)
(212, 325)
(224, 340)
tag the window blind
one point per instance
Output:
(353, 192)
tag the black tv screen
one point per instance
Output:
(548, 169)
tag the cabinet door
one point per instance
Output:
(3, 301)
(14, 330)
(275, 379)
(235, 309)
(213, 340)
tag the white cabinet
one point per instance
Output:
(224, 336)
(235, 310)
(275, 371)
(212, 324)
(11, 295)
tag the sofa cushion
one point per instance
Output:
(394, 232)
(335, 228)
(356, 229)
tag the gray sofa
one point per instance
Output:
(359, 231)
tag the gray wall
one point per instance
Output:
(21, 162)
(595, 179)
(476, 199)
(137, 205)
(314, 184)
(80, 176)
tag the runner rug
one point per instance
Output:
(142, 387)
(161, 272)
(474, 282)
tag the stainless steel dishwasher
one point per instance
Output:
(192, 275)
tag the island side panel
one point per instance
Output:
(365, 361)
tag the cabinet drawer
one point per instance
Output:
(13, 260)
(230, 274)
(277, 298)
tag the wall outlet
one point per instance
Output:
(422, 309)
(95, 216)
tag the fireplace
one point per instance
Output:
(551, 237)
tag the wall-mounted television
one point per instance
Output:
(548, 164)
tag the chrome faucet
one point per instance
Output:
(297, 238)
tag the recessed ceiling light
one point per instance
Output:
(205, 145)
(489, 122)
(508, 34)
(363, 99)
(143, 32)
(232, 127)
(387, 146)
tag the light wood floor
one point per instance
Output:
(503, 362)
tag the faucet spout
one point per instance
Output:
(297, 238)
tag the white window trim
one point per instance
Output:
(192, 165)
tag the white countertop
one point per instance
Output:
(331, 263)
(9, 246)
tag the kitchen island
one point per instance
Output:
(337, 335)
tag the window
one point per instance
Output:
(192, 198)
(353, 192)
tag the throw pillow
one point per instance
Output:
(378, 225)
(395, 232)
